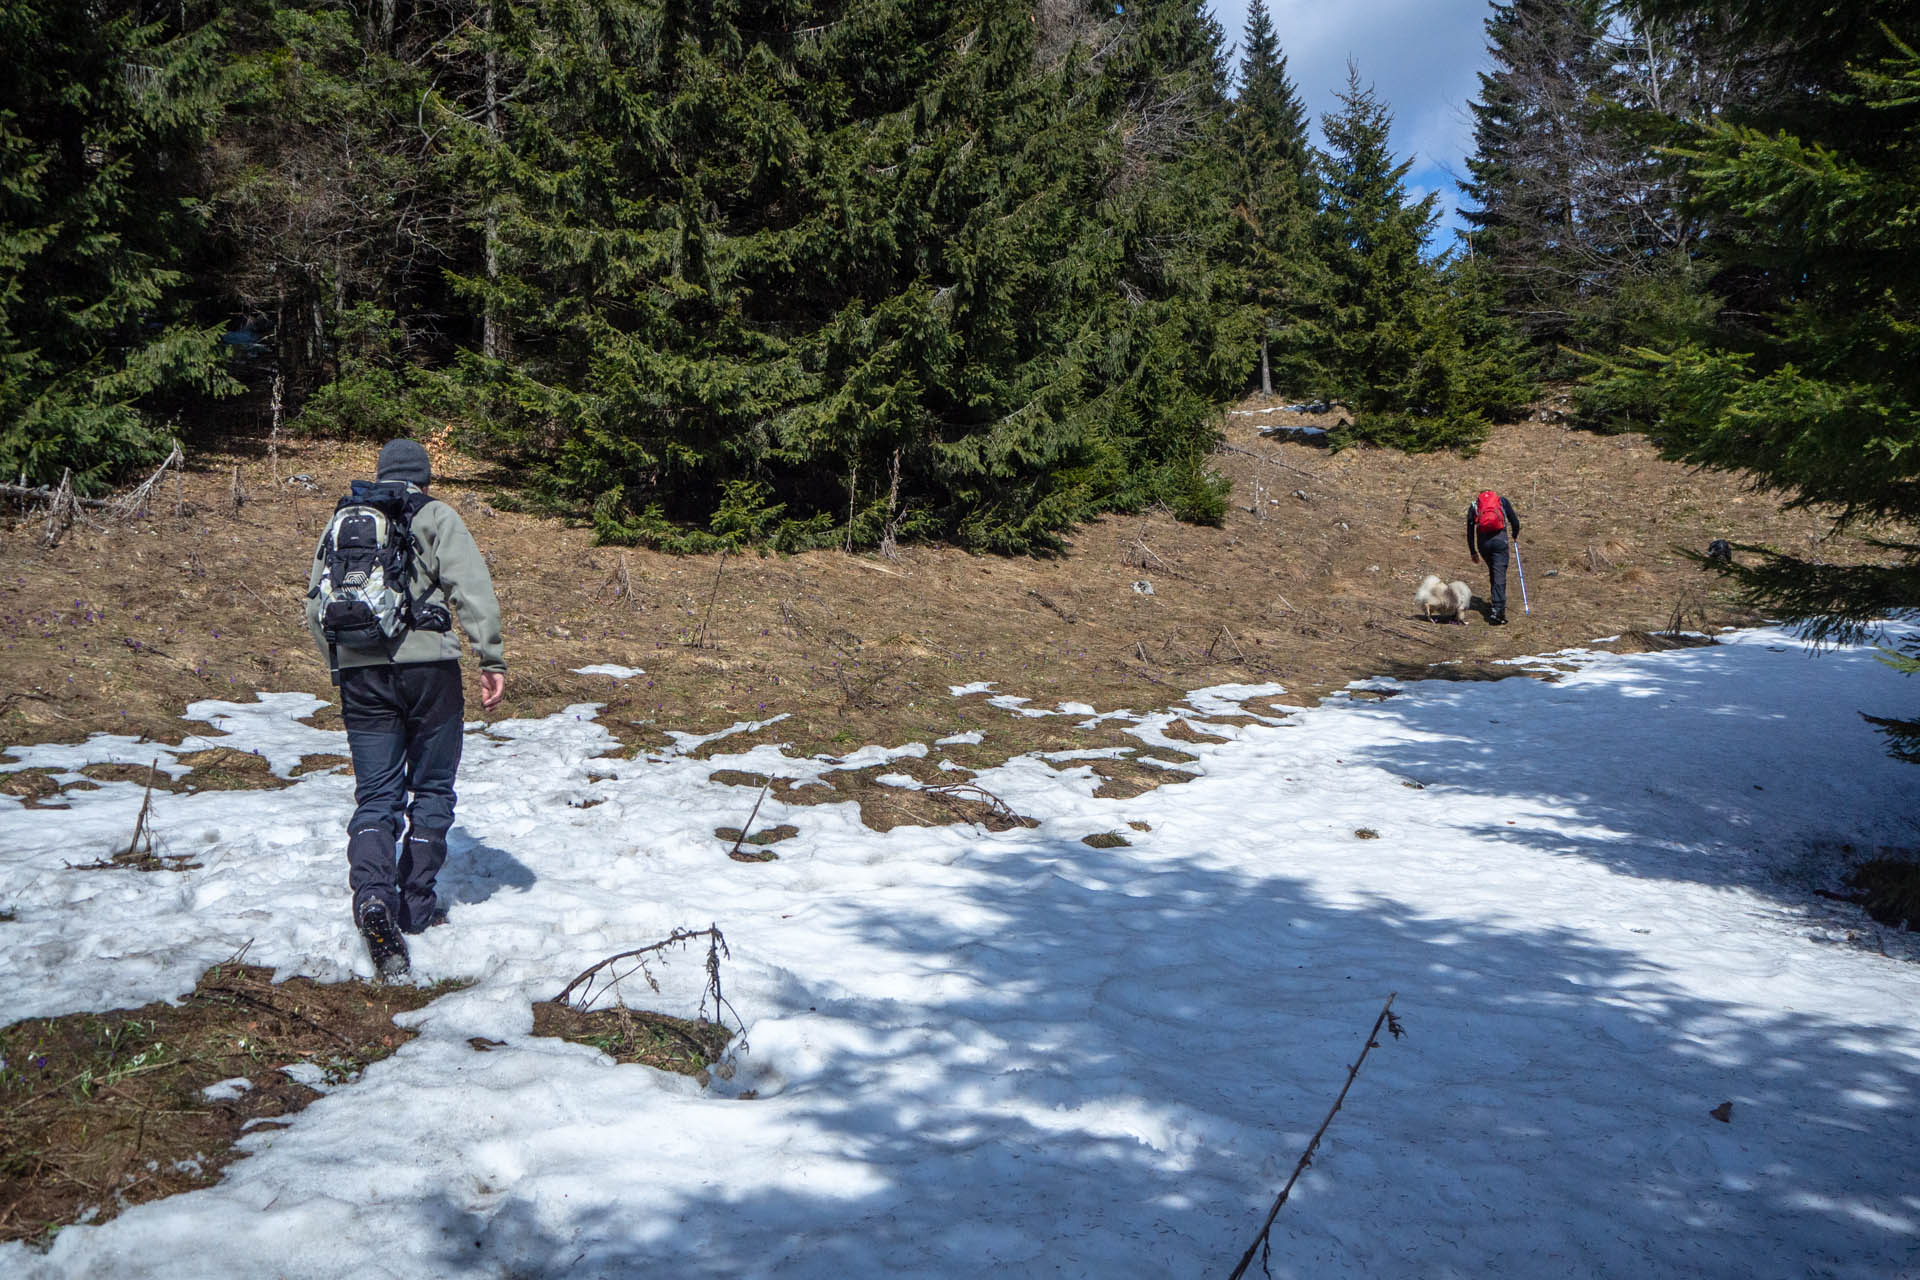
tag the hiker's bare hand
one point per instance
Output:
(493, 687)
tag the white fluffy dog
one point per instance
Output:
(1443, 600)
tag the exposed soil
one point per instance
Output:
(1309, 584)
(103, 1111)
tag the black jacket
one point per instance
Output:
(1473, 525)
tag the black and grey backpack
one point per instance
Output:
(366, 575)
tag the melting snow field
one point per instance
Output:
(972, 1053)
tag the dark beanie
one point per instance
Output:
(404, 460)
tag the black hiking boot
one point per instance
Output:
(1497, 619)
(385, 945)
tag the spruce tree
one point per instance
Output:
(1812, 384)
(334, 204)
(1274, 192)
(1537, 218)
(1575, 207)
(1391, 350)
(102, 122)
(858, 272)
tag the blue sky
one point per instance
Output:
(1421, 56)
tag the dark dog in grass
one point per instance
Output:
(1719, 551)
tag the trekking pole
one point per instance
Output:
(1527, 608)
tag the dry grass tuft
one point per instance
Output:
(103, 1111)
(657, 1040)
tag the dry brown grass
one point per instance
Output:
(658, 1040)
(120, 630)
(103, 1111)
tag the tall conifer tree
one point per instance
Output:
(857, 271)
(102, 120)
(334, 213)
(1538, 213)
(1274, 191)
(1391, 350)
(1812, 384)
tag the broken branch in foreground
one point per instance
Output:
(1306, 1157)
(598, 978)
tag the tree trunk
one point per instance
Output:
(493, 341)
(277, 408)
(1266, 370)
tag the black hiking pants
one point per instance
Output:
(404, 724)
(1493, 549)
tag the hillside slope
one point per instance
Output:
(1309, 583)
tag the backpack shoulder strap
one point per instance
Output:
(415, 502)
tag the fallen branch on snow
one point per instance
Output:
(601, 971)
(1306, 1157)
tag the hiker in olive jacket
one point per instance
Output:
(405, 711)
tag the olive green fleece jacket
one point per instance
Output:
(447, 568)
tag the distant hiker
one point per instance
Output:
(1492, 531)
(391, 560)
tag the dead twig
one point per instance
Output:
(26, 491)
(1275, 462)
(1392, 1024)
(795, 623)
(134, 501)
(1374, 624)
(751, 815)
(60, 511)
(255, 594)
(889, 541)
(953, 794)
(869, 688)
(140, 822)
(716, 948)
(277, 408)
(1227, 635)
(699, 640)
(1148, 676)
(267, 1006)
(1051, 605)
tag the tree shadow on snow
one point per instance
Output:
(1107, 1061)
(1722, 765)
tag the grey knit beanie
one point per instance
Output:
(405, 460)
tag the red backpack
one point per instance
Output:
(1487, 515)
